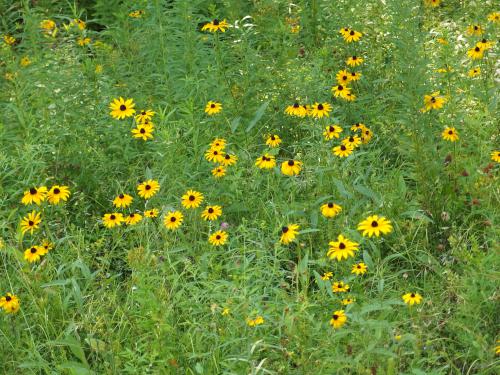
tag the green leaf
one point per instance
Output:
(258, 115)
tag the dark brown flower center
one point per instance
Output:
(142, 131)
(296, 105)
(112, 217)
(477, 49)
(123, 107)
(330, 205)
(147, 187)
(218, 237)
(215, 22)
(57, 191)
(284, 229)
(33, 191)
(121, 196)
(450, 132)
(31, 223)
(354, 58)
(291, 163)
(320, 107)
(33, 250)
(210, 210)
(192, 198)
(212, 105)
(344, 78)
(412, 295)
(343, 148)
(352, 32)
(8, 298)
(173, 218)
(335, 316)
(342, 246)
(340, 87)
(374, 224)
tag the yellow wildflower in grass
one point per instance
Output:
(338, 319)
(332, 131)
(359, 269)
(257, 321)
(47, 25)
(375, 225)
(266, 161)
(121, 108)
(173, 220)
(291, 167)
(58, 193)
(442, 41)
(30, 222)
(82, 42)
(192, 199)
(327, 276)
(476, 53)
(226, 311)
(122, 200)
(348, 301)
(289, 233)
(219, 172)
(9, 40)
(229, 159)
(218, 144)
(296, 110)
(273, 140)
(211, 213)
(342, 151)
(10, 303)
(330, 209)
(358, 127)
(144, 115)
(366, 135)
(152, 213)
(432, 3)
(352, 36)
(474, 72)
(214, 155)
(34, 253)
(34, 195)
(354, 60)
(475, 30)
(213, 108)
(412, 299)
(320, 110)
(343, 77)
(148, 189)
(450, 134)
(494, 17)
(47, 245)
(495, 156)
(343, 248)
(112, 220)
(353, 141)
(25, 61)
(78, 22)
(132, 218)
(143, 131)
(341, 91)
(136, 14)
(433, 101)
(215, 26)
(340, 287)
(218, 238)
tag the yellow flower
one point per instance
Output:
(98, 69)
(358, 127)
(47, 25)
(122, 201)
(152, 213)
(327, 276)
(144, 115)
(342, 151)
(148, 189)
(213, 108)
(354, 60)
(133, 218)
(136, 14)
(215, 26)
(143, 131)
(10, 303)
(78, 22)
(273, 140)
(288, 233)
(412, 298)
(9, 40)
(343, 77)
(218, 144)
(343, 248)
(366, 135)
(340, 287)
(257, 321)
(173, 220)
(338, 319)
(450, 134)
(476, 30)
(348, 301)
(58, 193)
(214, 155)
(296, 110)
(226, 311)
(359, 269)
(341, 91)
(495, 156)
(291, 167)
(218, 238)
(30, 222)
(494, 17)
(34, 195)
(375, 225)
(121, 108)
(112, 220)
(432, 3)
(332, 131)
(192, 199)
(47, 245)
(266, 161)
(330, 209)
(34, 253)
(211, 213)
(353, 141)
(476, 53)
(442, 41)
(355, 76)
(320, 110)
(25, 61)
(219, 172)
(229, 159)
(433, 101)
(352, 36)
(83, 41)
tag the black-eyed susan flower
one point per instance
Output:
(494, 17)
(121, 108)
(366, 135)
(225, 311)
(144, 115)
(78, 22)
(215, 25)
(354, 60)
(253, 322)
(215, 156)
(266, 161)
(343, 248)
(348, 301)
(47, 245)
(412, 298)
(353, 141)
(83, 41)
(219, 172)
(122, 200)
(343, 77)
(31, 222)
(218, 238)
(229, 159)
(350, 97)
(152, 213)
(192, 199)
(355, 76)
(34, 195)
(327, 276)
(497, 348)
(340, 287)
(25, 61)
(58, 193)
(433, 101)
(211, 213)
(218, 144)
(47, 25)
(148, 189)
(291, 167)
(476, 53)
(296, 110)
(358, 127)
(341, 91)
(359, 268)
(10, 303)
(332, 131)
(476, 30)
(338, 319)
(320, 110)
(330, 209)
(342, 151)
(485, 44)
(212, 108)
(9, 40)
(352, 36)
(132, 218)
(143, 131)
(273, 140)
(432, 3)
(495, 156)
(173, 220)
(112, 220)
(136, 13)
(450, 134)
(375, 225)
(34, 253)
(289, 233)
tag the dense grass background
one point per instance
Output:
(139, 299)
